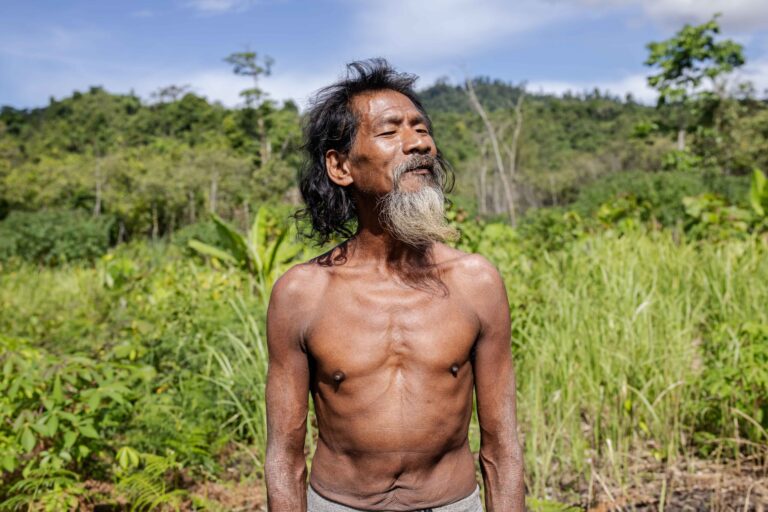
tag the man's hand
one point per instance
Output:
(501, 459)
(287, 395)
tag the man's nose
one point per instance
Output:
(418, 142)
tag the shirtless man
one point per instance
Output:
(391, 331)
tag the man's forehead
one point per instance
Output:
(378, 106)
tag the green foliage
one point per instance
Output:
(758, 194)
(153, 483)
(607, 342)
(681, 161)
(734, 401)
(53, 237)
(204, 232)
(661, 192)
(148, 368)
(241, 375)
(710, 216)
(247, 64)
(263, 252)
(552, 229)
(58, 412)
(689, 58)
(49, 490)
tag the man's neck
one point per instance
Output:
(374, 244)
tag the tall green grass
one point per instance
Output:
(627, 349)
(610, 341)
(609, 344)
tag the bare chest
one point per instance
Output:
(360, 330)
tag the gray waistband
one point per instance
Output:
(316, 503)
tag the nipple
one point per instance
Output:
(338, 376)
(455, 370)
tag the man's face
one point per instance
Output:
(391, 133)
(393, 161)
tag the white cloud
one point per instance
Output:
(429, 29)
(738, 15)
(225, 86)
(219, 6)
(757, 73)
(458, 29)
(214, 84)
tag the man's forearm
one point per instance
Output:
(502, 467)
(286, 479)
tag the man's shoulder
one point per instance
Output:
(299, 283)
(472, 268)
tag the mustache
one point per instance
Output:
(414, 162)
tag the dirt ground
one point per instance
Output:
(688, 486)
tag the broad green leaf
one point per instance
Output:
(127, 457)
(8, 462)
(28, 440)
(230, 237)
(53, 425)
(758, 192)
(88, 431)
(209, 250)
(57, 394)
(69, 438)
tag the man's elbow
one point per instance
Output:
(502, 447)
(283, 465)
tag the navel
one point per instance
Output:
(455, 369)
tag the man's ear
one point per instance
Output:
(337, 168)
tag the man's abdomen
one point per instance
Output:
(395, 439)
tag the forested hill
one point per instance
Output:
(496, 94)
(155, 166)
(60, 145)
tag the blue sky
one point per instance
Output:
(52, 47)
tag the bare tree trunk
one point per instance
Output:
(121, 232)
(507, 186)
(265, 148)
(512, 150)
(482, 199)
(498, 201)
(191, 206)
(171, 225)
(97, 201)
(155, 223)
(213, 193)
(284, 147)
(681, 139)
(246, 215)
(552, 193)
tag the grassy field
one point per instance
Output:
(138, 381)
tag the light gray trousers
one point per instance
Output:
(316, 503)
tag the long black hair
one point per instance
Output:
(331, 123)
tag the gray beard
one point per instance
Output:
(417, 218)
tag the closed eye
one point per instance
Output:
(386, 133)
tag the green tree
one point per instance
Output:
(254, 116)
(688, 63)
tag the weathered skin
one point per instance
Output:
(391, 366)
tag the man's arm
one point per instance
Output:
(501, 458)
(287, 395)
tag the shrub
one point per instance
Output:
(53, 237)
(204, 231)
(735, 386)
(663, 192)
